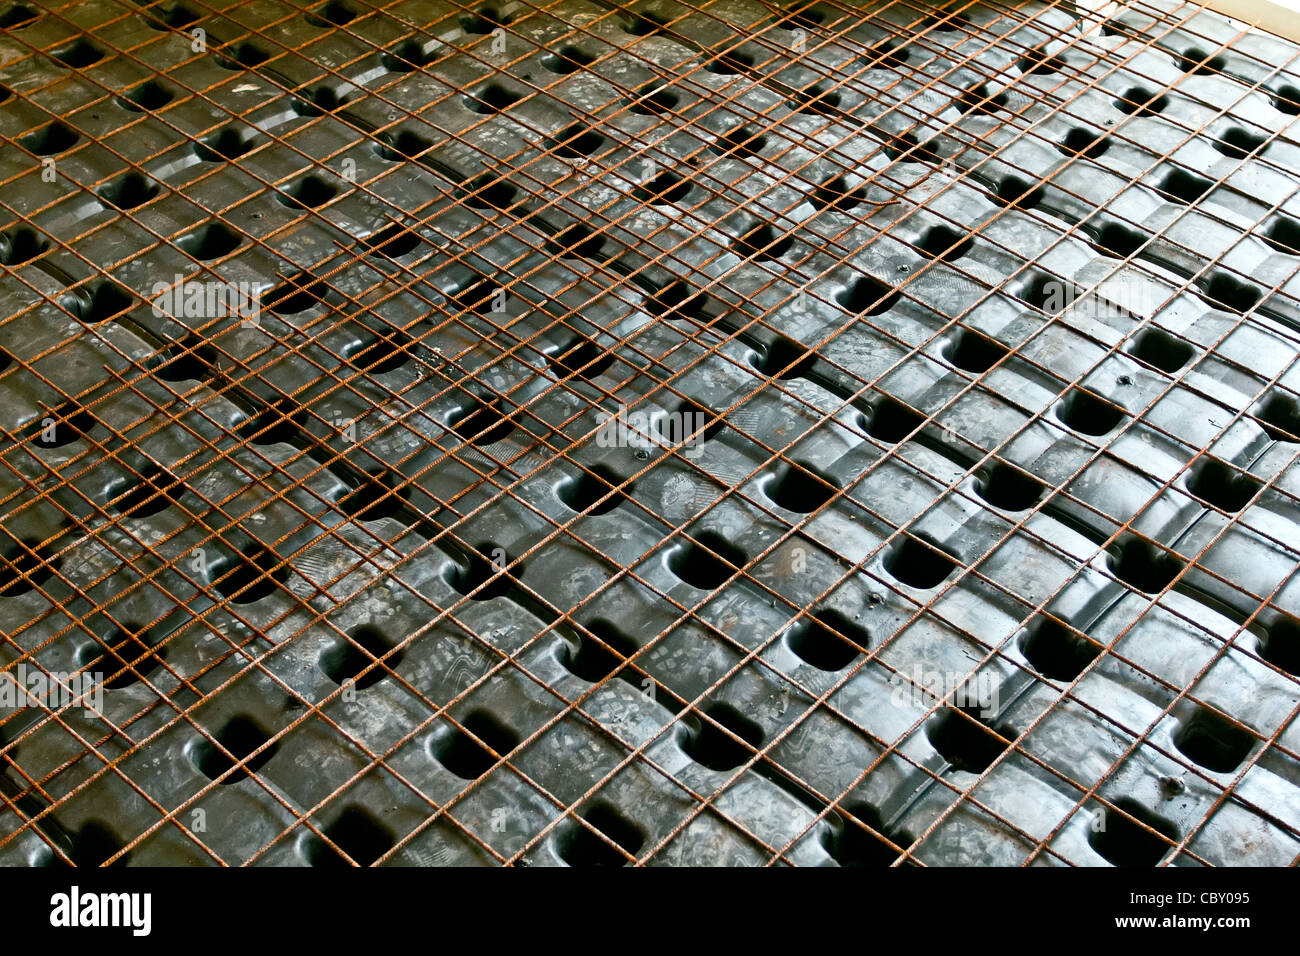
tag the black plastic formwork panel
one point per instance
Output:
(672, 434)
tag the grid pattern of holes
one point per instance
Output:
(203, 242)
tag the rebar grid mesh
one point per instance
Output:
(409, 422)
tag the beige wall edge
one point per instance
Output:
(1274, 17)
